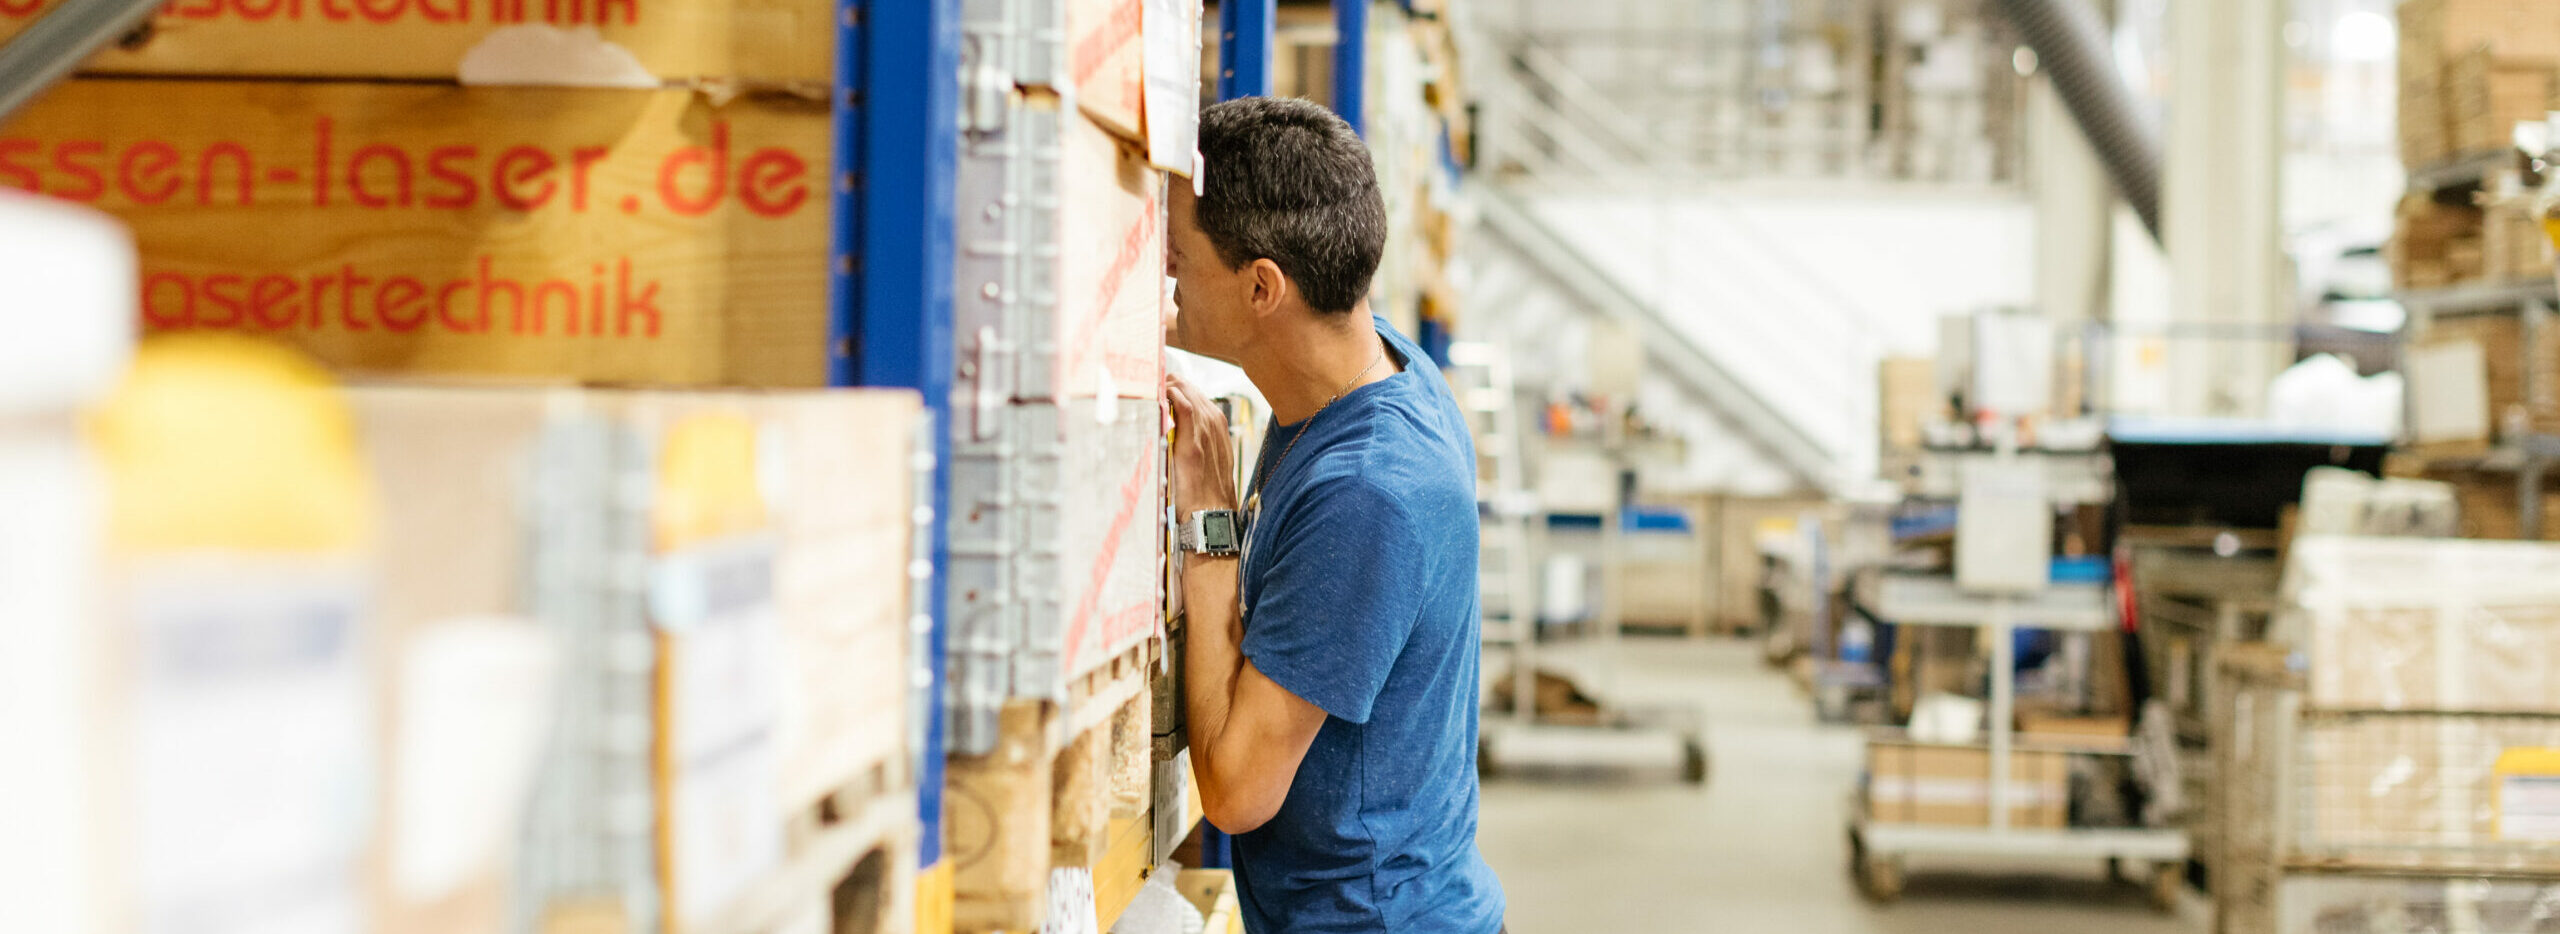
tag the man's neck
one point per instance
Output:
(1301, 372)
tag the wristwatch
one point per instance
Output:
(1212, 532)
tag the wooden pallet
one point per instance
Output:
(1066, 786)
(851, 869)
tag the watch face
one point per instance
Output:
(1218, 531)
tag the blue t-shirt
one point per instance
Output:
(1360, 596)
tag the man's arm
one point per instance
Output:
(1248, 733)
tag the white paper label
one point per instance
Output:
(2529, 808)
(1172, 33)
(724, 701)
(252, 774)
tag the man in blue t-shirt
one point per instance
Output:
(1332, 640)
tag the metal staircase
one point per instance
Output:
(1738, 324)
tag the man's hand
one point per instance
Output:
(1203, 460)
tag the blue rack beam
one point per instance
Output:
(897, 148)
(1244, 48)
(1351, 62)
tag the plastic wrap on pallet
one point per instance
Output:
(590, 841)
(2427, 624)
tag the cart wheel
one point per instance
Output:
(1693, 761)
(1880, 878)
(2167, 881)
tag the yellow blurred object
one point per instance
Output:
(933, 899)
(226, 443)
(707, 481)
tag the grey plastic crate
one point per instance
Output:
(591, 831)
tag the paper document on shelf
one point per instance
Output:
(474, 705)
(1172, 36)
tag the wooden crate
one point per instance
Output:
(649, 237)
(528, 41)
(1066, 786)
(1907, 398)
(796, 505)
(2433, 32)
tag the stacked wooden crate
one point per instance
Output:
(717, 583)
(2470, 70)
(630, 191)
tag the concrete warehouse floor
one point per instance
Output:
(1762, 847)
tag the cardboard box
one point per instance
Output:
(2427, 240)
(2506, 362)
(573, 42)
(2425, 135)
(2487, 505)
(647, 237)
(1910, 783)
(2084, 731)
(2486, 96)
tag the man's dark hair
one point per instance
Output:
(1289, 181)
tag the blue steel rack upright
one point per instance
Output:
(1244, 70)
(896, 106)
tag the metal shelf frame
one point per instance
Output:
(1906, 599)
(896, 104)
(1244, 70)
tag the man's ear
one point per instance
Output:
(1270, 286)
